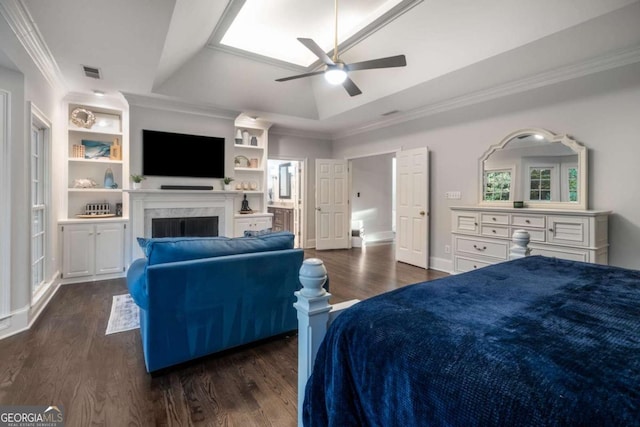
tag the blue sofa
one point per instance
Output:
(198, 296)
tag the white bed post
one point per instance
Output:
(313, 319)
(520, 248)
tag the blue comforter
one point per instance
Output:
(531, 342)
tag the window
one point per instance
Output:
(40, 189)
(540, 184)
(497, 184)
(572, 179)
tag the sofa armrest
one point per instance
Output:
(136, 282)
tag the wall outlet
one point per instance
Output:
(452, 195)
(447, 249)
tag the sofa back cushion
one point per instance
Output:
(174, 249)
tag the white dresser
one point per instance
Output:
(481, 235)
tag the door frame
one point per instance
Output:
(302, 238)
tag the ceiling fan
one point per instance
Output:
(336, 71)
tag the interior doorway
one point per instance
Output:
(373, 193)
(286, 196)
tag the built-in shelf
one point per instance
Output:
(95, 130)
(95, 190)
(249, 147)
(252, 192)
(249, 169)
(97, 160)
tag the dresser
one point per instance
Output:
(282, 218)
(482, 235)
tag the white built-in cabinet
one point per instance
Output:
(481, 236)
(253, 222)
(93, 248)
(92, 251)
(251, 145)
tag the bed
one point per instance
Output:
(533, 341)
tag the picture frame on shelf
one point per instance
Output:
(96, 149)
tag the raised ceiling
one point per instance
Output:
(458, 51)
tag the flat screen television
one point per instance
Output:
(177, 154)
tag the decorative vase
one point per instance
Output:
(245, 137)
(136, 185)
(239, 137)
(227, 187)
(254, 141)
(108, 179)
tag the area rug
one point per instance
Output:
(125, 315)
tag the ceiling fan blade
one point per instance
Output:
(299, 76)
(388, 62)
(351, 87)
(317, 50)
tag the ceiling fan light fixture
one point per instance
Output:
(335, 76)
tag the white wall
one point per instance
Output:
(372, 180)
(26, 84)
(600, 110)
(285, 146)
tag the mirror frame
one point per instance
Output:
(563, 139)
(284, 178)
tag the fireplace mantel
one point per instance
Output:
(146, 204)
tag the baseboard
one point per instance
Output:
(379, 237)
(441, 264)
(22, 319)
(311, 244)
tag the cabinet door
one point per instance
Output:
(78, 250)
(465, 222)
(568, 230)
(240, 226)
(262, 222)
(109, 254)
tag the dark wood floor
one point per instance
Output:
(66, 359)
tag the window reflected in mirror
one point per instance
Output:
(497, 185)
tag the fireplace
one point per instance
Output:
(147, 205)
(190, 226)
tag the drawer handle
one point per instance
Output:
(493, 231)
(475, 266)
(527, 221)
(475, 223)
(480, 249)
(551, 230)
(494, 218)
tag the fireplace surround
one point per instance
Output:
(145, 205)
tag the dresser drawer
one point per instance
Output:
(489, 218)
(494, 231)
(464, 264)
(497, 250)
(535, 234)
(573, 255)
(537, 221)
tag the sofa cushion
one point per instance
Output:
(173, 249)
(254, 233)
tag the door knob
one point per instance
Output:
(318, 209)
(422, 213)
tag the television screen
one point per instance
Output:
(176, 154)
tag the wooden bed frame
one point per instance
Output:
(315, 314)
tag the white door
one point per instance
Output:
(332, 204)
(412, 207)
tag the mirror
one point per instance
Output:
(284, 176)
(535, 166)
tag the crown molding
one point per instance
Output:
(615, 59)
(166, 103)
(298, 133)
(23, 26)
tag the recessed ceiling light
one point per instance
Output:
(98, 92)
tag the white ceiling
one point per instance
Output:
(458, 51)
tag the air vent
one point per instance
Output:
(92, 72)
(388, 113)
